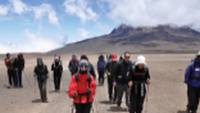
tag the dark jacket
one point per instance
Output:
(57, 68)
(122, 72)
(41, 72)
(92, 71)
(111, 69)
(192, 74)
(19, 63)
(139, 75)
(101, 64)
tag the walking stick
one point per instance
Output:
(72, 108)
(147, 99)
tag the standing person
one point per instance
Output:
(101, 64)
(41, 72)
(91, 67)
(122, 78)
(10, 70)
(111, 73)
(82, 88)
(139, 80)
(19, 64)
(57, 69)
(73, 65)
(192, 80)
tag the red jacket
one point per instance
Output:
(81, 86)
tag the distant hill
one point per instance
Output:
(159, 39)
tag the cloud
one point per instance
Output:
(40, 11)
(46, 10)
(4, 10)
(19, 6)
(32, 42)
(154, 12)
(81, 9)
(83, 33)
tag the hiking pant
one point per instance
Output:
(57, 80)
(11, 79)
(83, 108)
(121, 89)
(137, 97)
(101, 77)
(193, 98)
(16, 78)
(19, 77)
(42, 88)
(112, 95)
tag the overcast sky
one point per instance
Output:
(43, 25)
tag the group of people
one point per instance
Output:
(15, 66)
(123, 76)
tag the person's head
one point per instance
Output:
(40, 62)
(8, 55)
(140, 62)
(20, 55)
(127, 56)
(114, 57)
(84, 57)
(101, 57)
(198, 56)
(74, 57)
(83, 66)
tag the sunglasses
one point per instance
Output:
(83, 65)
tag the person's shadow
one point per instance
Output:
(182, 111)
(117, 109)
(37, 101)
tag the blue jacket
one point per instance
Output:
(101, 65)
(192, 74)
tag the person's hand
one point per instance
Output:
(148, 82)
(130, 84)
(88, 91)
(114, 83)
(75, 94)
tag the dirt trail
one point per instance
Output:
(167, 91)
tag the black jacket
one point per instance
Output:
(122, 72)
(19, 63)
(57, 68)
(41, 72)
(139, 75)
(111, 69)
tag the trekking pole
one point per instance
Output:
(147, 100)
(72, 108)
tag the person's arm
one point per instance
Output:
(72, 92)
(93, 86)
(23, 63)
(92, 71)
(187, 73)
(148, 77)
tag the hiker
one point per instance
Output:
(192, 80)
(19, 64)
(101, 64)
(122, 72)
(82, 88)
(91, 67)
(10, 70)
(139, 80)
(73, 65)
(111, 73)
(57, 69)
(41, 72)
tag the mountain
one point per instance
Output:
(158, 39)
